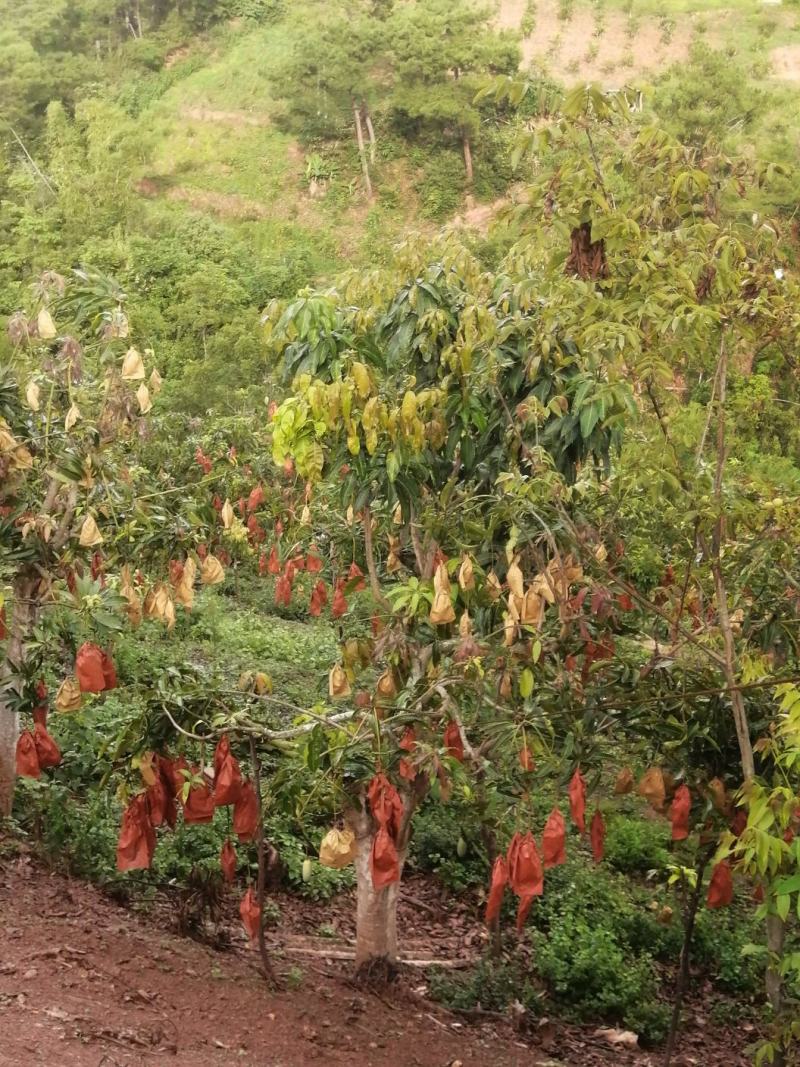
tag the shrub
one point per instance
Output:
(636, 846)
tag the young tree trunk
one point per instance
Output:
(373, 144)
(468, 159)
(361, 150)
(683, 973)
(22, 619)
(376, 910)
(776, 935)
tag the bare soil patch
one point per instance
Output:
(85, 982)
(786, 62)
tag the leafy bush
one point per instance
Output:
(636, 846)
(434, 845)
(442, 187)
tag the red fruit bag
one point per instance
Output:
(27, 758)
(339, 604)
(89, 668)
(157, 800)
(262, 564)
(720, 888)
(554, 840)
(274, 564)
(246, 812)
(228, 784)
(577, 800)
(256, 498)
(597, 836)
(227, 861)
(46, 749)
(739, 822)
(199, 806)
(356, 572)
(525, 872)
(452, 741)
(3, 624)
(386, 804)
(496, 889)
(221, 753)
(681, 806)
(109, 671)
(526, 759)
(137, 839)
(251, 914)
(313, 562)
(283, 591)
(384, 863)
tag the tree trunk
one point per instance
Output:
(361, 150)
(373, 144)
(22, 619)
(376, 910)
(776, 934)
(468, 159)
(730, 666)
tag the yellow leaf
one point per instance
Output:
(442, 610)
(516, 582)
(32, 394)
(45, 325)
(338, 683)
(132, 366)
(227, 515)
(338, 849)
(71, 417)
(69, 696)
(143, 396)
(466, 574)
(386, 686)
(90, 535)
(493, 587)
(211, 571)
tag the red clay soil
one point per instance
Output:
(85, 982)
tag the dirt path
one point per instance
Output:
(85, 982)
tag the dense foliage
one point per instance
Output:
(480, 539)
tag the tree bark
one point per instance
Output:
(23, 617)
(686, 948)
(369, 553)
(361, 150)
(376, 910)
(776, 935)
(468, 159)
(269, 973)
(373, 144)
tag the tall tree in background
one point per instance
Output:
(332, 78)
(441, 52)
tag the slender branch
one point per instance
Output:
(269, 973)
(369, 551)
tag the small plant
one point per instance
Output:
(666, 25)
(319, 169)
(528, 23)
(565, 9)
